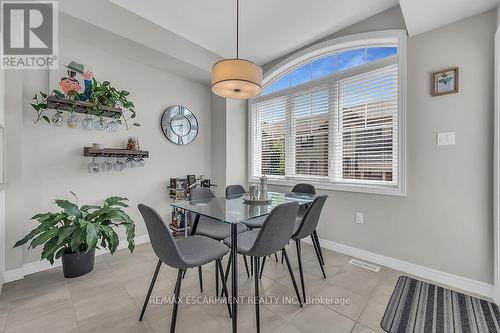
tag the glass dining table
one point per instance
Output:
(233, 210)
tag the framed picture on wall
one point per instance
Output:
(445, 82)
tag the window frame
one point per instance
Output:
(370, 39)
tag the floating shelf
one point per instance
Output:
(114, 152)
(56, 103)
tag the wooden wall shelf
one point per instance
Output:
(114, 152)
(56, 103)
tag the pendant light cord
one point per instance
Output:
(237, 26)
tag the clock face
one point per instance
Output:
(179, 125)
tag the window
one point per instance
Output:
(336, 121)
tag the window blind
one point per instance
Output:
(340, 131)
(366, 140)
(310, 133)
(269, 134)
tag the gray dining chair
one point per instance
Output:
(233, 191)
(210, 228)
(305, 227)
(181, 254)
(275, 233)
(309, 189)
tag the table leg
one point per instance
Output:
(234, 275)
(195, 224)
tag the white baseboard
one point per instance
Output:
(454, 281)
(38, 266)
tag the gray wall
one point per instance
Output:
(45, 162)
(446, 220)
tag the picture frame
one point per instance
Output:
(445, 82)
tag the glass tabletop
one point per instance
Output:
(234, 209)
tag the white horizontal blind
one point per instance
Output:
(366, 134)
(269, 127)
(309, 133)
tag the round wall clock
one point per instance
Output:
(179, 125)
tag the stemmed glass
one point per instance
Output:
(118, 165)
(94, 167)
(100, 124)
(106, 166)
(130, 162)
(139, 162)
(112, 126)
(87, 123)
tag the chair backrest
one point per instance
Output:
(161, 239)
(304, 188)
(311, 218)
(234, 190)
(276, 231)
(200, 193)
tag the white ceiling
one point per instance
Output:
(270, 29)
(424, 15)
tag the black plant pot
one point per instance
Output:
(78, 264)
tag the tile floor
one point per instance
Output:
(109, 299)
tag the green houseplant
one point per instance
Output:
(75, 232)
(102, 94)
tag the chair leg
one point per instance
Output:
(315, 233)
(200, 276)
(282, 257)
(292, 276)
(319, 259)
(251, 267)
(216, 280)
(301, 271)
(246, 265)
(256, 278)
(176, 300)
(276, 256)
(151, 286)
(262, 267)
(228, 266)
(225, 293)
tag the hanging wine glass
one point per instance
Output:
(93, 167)
(100, 124)
(72, 120)
(112, 126)
(118, 165)
(106, 166)
(130, 162)
(57, 119)
(87, 123)
(139, 162)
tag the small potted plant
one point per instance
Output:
(75, 232)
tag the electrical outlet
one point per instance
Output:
(445, 139)
(359, 217)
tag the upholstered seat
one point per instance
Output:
(199, 250)
(216, 229)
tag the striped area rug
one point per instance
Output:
(417, 306)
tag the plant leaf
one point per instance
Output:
(116, 201)
(46, 119)
(43, 237)
(92, 236)
(69, 208)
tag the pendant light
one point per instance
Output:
(236, 78)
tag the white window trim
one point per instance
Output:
(376, 38)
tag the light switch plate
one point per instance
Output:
(446, 138)
(359, 217)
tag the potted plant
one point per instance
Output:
(75, 232)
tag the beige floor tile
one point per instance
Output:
(359, 283)
(282, 301)
(319, 319)
(118, 320)
(361, 329)
(342, 300)
(372, 315)
(290, 329)
(269, 321)
(383, 292)
(100, 299)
